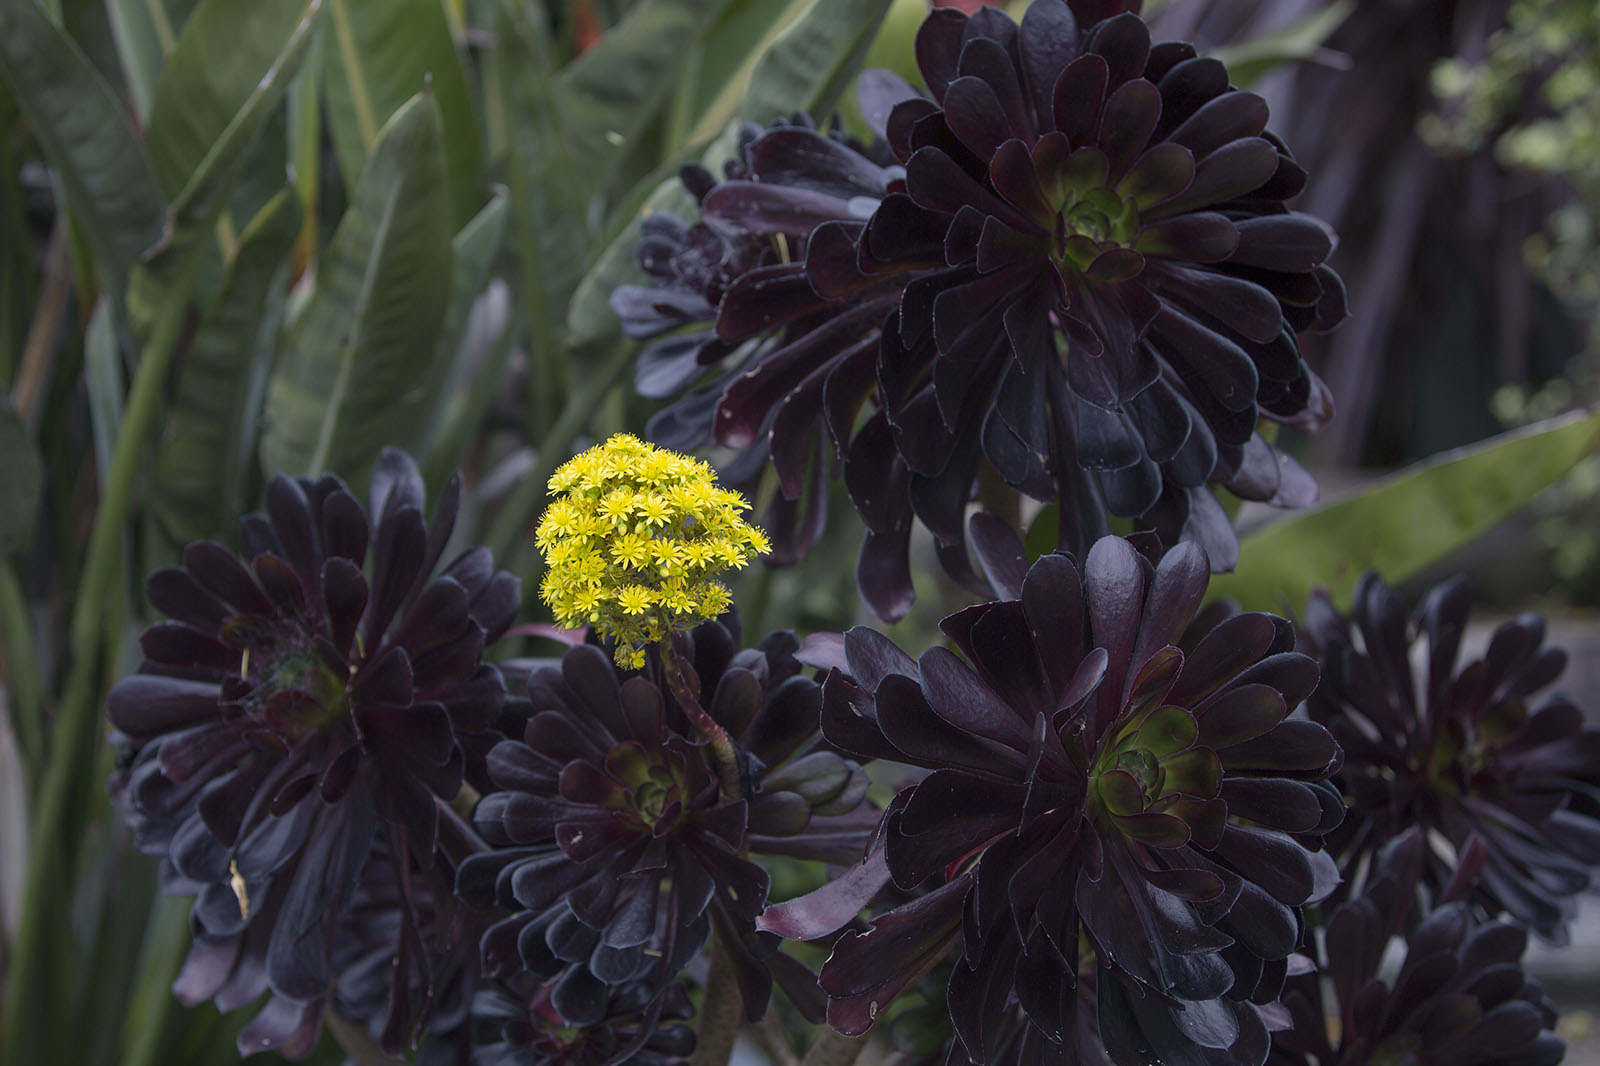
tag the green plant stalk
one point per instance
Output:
(57, 818)
(678, 674)
(160, 955)
(517, 512)
(721, 1011)
(447, 449)
(834, 1049)
(22, 664)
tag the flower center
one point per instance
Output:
(1092, 222)
(1151, 776)
(291, 688)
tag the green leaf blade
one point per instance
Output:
(1407, 521)
(380, 54)
(201, 468)
(351, 379)
(108, 180)
(811, 64)
(473, 252)
(230, 69)
(21, 477)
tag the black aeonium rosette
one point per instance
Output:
(1103, 284)
(418, 913)
(617, 851)
(1480, 749)
(637, 1025)
(1109, 799)
(1459, 998)
(303, 704)
(753, 357)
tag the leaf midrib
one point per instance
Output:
(341, 384)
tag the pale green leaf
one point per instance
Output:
(473, 252)
(102, 371)
(21, 477)
(348, 382)
(1299, 42)
(381, 53)
(81, 128)
(549, 189)
(1407, 521)
(591, 324)
(143, 34)
(202, 466)
(614, 95)
(729, 53)
(227, 75)
(812, 63)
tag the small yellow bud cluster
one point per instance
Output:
(634, 541)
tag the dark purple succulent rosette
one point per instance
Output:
(753, 358)
(1476, 750)
(639, 1025)
(1103, 285)
(1460, 998)
(614, 850)
(302, 705)
(1101, 780)
(414, 918)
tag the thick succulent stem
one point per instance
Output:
(457, 838)
(721, 1011)
(998, 498)
(773, 1040)
(682, 684)
(834, 1049)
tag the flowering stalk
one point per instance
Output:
(683, 686)
(634, 541)
(720, 1014)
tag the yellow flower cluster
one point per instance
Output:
(634, 541)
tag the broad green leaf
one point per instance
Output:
(202, 466)
(18, 266)
(591, 324)
(468, 401)
(895, 46)
(1407, 521)
(119, 890)
(102, 371)
(165, 939)
(614, 95)
(228, 73)
(814, 61)
(303, 118)
(473, 252)
(1249, 61)
(348, 382)
(143, 34)
(381, 53)
(549, 190)
(21, 477)
(730, 51)
(104, 173)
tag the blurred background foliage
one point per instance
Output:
(239, 238)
